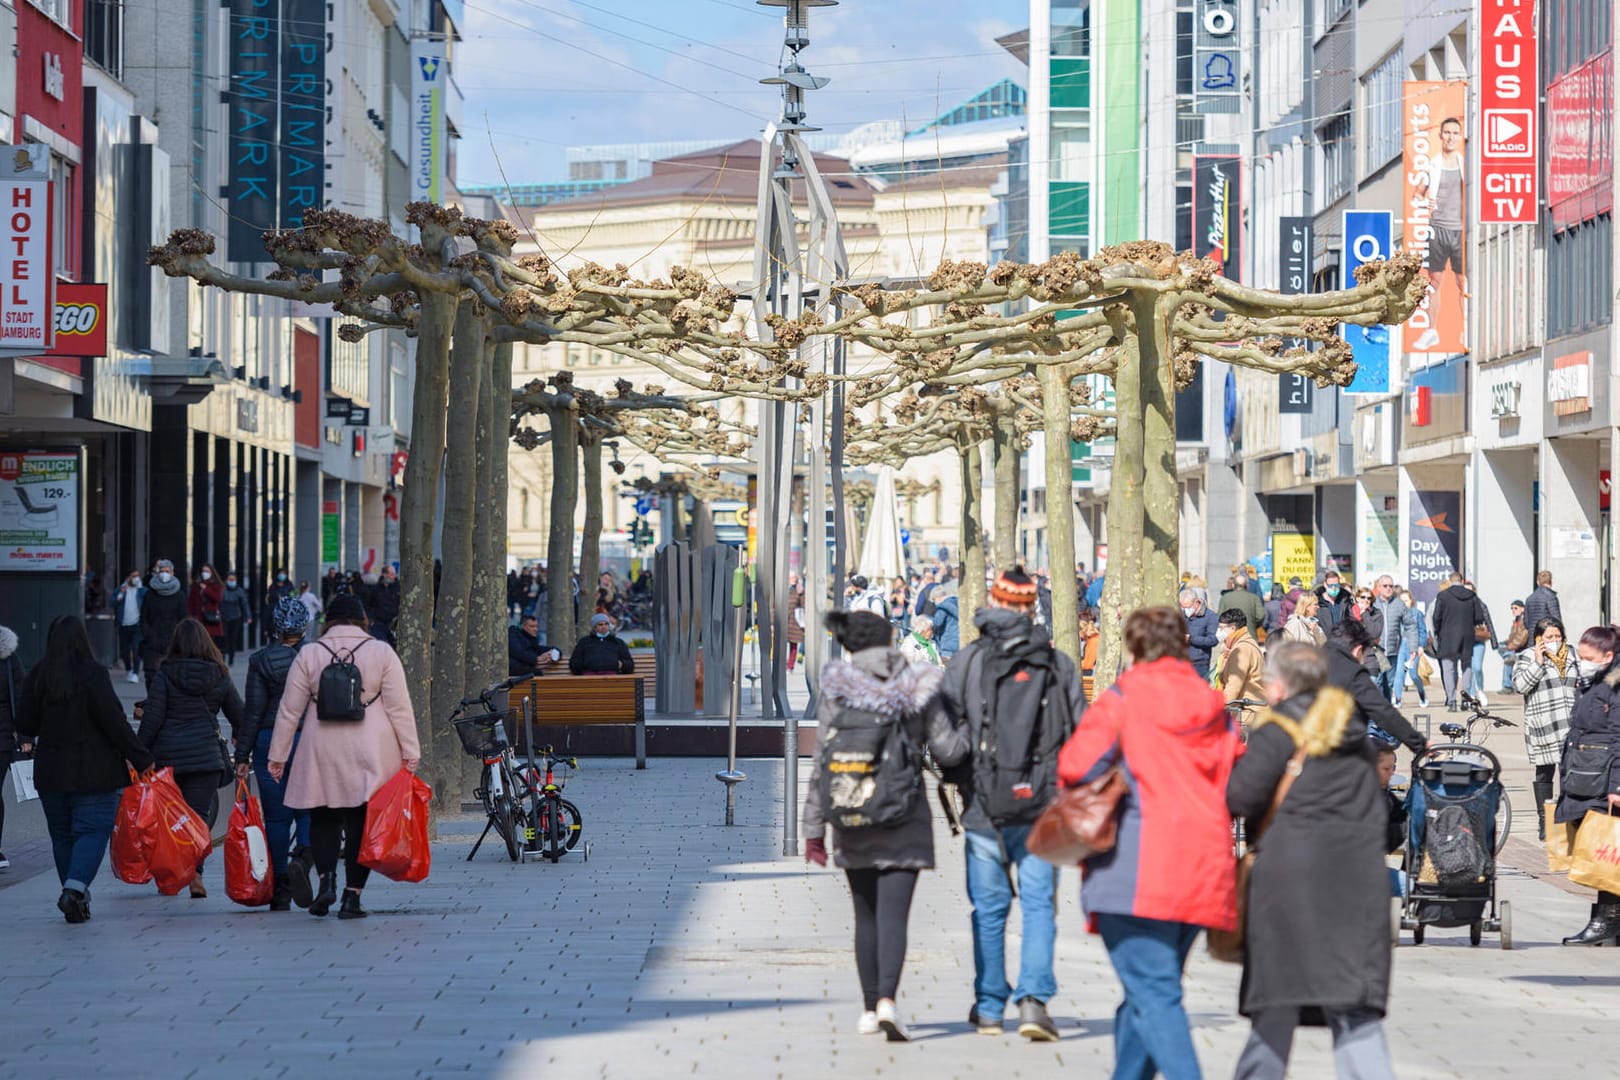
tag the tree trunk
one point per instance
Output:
(1123, 578)
(590, 545)
(560, 542)
(1055, 383)
(415, 625)
(970, 594)
(1161, 491)
(461, 508)
(1005, 454)
(484, 658)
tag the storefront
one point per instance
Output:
(1572, 524)
(1503, 535)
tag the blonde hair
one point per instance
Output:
(1307, 605)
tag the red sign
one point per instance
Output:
(1422, 406)
(81, 320)
(1604, 487)
(1580, 141)
(1507, 112)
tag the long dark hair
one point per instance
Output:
(58, 675)
(191, 641)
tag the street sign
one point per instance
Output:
(644, 505)
(905, 537)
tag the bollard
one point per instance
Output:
(731, 777)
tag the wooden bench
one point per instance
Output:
(646, 669)
(582, 700)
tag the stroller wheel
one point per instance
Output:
(1475, 931)
(1417, 934)
(1506, 919)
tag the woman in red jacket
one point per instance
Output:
(1171, 873)
(203, 603)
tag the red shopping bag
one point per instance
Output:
(248, 878)
(175, 838)
(127, 848)
(396, 840)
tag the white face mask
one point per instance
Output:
(1590, 669)
(205, 575)
(1222, 633)
(165, 577)
(1187, 611)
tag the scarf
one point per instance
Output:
(927, 647)
(1560, 659)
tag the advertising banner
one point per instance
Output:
(1293, 555)
(39, 510)
(81, 320)
(331, 533)
(1434, 166)
(1368, 237)
(1294, 247)
(1580, 141)
(253, 43)
(28, 280)
(1218, 211)
(1217, 55)
(303, 110)
(428, 72)
(1509, 140)
(1435, 552)
(1380, 540)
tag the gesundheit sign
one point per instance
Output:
(1508, 138)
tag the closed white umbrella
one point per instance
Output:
(882, 558)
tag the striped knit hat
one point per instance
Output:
(1014, 588)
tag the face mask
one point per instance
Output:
(1187, 611)
(1590, 669)
(1222, 633)
(601, 633)
(1332, 590)
(281, 577)
(205, 575)
(165, 577)
(231, 582)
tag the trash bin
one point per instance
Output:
(103, 638)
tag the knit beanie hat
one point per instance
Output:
(1014, 588)
(291, 616)
(345, 606)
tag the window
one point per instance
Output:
(1580, 277)
(1381, 105)
(1508, 317)
(1184, 53)
(1328, 12)
(58, 11)
(1071, 152)
(1581, 30)
(63, 236)
(1338, 155)
(1071, 27)
(104, 35)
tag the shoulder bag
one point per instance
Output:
(1228, 945)
(1080, 822)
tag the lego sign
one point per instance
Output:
(27, 277)
(81, 320)
(1507, 112)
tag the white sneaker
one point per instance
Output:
(5, 864)
(888, 1018)
(867, 1024)
(132, 677)
(1427, 340)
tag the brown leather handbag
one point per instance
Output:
(1080, 822)
(1228, 946)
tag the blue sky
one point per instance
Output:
(540, 75)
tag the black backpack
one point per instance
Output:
(1026, 721)
(340, 694)
(1456, 852)
(869, 772)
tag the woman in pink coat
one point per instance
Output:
(341, 764)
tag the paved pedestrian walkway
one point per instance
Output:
(682, 947)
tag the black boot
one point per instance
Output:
(1544, 792)
(351, 908)
(73, 905)
(1604, 929)
(326, 897)
(281, 899)
(298, 871)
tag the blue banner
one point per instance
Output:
(1367, 238)
(1434, 551)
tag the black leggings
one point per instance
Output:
(5, 767)
(882, 907)
(332, 827)
(201, 792)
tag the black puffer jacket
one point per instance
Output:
(1595, 722)
(82, 742)
(1452, 618)
(382, 602)
(159, 616)
(266, 679)
(11, 680)
(181, 724)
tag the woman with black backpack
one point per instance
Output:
(876, 713)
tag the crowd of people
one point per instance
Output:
(627, 601)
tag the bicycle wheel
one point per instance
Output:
(507, 815)
(571, 824)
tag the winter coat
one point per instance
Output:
(1372, 707)
(1290, 600)
(80, 744)
(1372, 620)
(1397, 624)
(918, 650)
(870, 599)
(795, 621)
(948, 625)
(1201, 639)
(266, 680)
(1245, 601)
(343, 763)
(382, 602)
(881, 681)
(160, 614)
(11, 682)
(1542, 603)
(1243, 671)
(964, 695)
(1452, 617)
(1331, 610)
(203, 604)
(1170, 733)
(1309, 631)
(1317, 930)
(233, 605)
(1595, 722)
(601, 656)
(1549, 700)
(522, 651)
(1275, 618)
(1094, 592)
(181, 721)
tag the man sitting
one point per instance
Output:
(524, 653)
(601, 653)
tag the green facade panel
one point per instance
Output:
(1071, 82)
(1069, 207)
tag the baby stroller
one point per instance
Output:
(1452, 840)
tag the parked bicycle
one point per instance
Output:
(483, 735)
(556, 823)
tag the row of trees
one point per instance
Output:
(979, 354)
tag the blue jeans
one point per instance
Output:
(279, 821)
(1406, 665)
(1479, 669)
(989, 857)
(1151, 1032)
(80, 825)
(1508, 660)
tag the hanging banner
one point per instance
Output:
(1294, 247)
(303, 110)
(28, 277)
(1509, 141)
(1434, 166)
(1367, 238)
(1435, 551)
(428, 73)
(253, 44)
(1218, 211)
(39, 510)
(1580, 142)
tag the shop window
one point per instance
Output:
(1338, 156)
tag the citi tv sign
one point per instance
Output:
(1507, 112)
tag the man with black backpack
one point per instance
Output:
(1019, 699)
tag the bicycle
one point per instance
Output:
(556, 824)
(1463, 733)
(483, 735)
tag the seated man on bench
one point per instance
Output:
(524, 653)
(601, 653)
